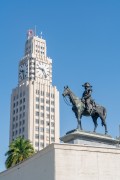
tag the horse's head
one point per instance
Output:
(66, 91)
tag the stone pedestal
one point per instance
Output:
(89, 138)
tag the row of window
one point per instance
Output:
(41, 129)
(20, 109)
(42, 122)
(20, 95)
(37, 144)
(20, 124)
(37, 113)
(41, 137)
(20, 116)
(42, 93)
(16, 132)
(37, 46)
(20, 102)
(41, 52)
(42, 108)
(42, 101)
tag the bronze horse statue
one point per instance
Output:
(79, 109)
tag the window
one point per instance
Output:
(52, 124)
(52, 131)
(36, 128)
(23, 129)
(52, 139)
(47, 130)
(16, 125)
(48, 116)
(52, 95)
(37, 106)
(14, 105)
(16, 132)
(19, 130)
(52, 117)
(13, 133)
(14, 98)
(42, 100)
(52, 109)
(17, 103)
(42, 122)
(37, 113)
(16, 118)
(13, 119)
(21, 94)
(52, 103)
(42, 145)
(47, 123)
(17, 110)
(41, 129)
(37, 99)
(41, 137)
(42, 107)
(23, 99)
(36, 144)
(23, 114)
(47, 94)
(47, 101)
(37, 121)
(37, 136)
(42, 93)
(42, 114)
(37, 92)
(13, 126)
(14, 112)
(47, 108)
(20, 116)
(23, 121)
(20, 108)
(23, 107)
(20, 123)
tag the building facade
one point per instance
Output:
(35, 101)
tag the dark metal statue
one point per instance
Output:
(86, 107)
(86, 97)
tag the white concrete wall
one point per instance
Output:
(38, 167)
(76, 162)
(68, 162)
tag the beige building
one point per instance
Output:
(35, 101)
(68, 162)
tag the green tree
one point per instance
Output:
(19, 150)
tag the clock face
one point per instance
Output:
(42, 70)
(23, 71)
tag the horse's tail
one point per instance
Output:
(104, 115)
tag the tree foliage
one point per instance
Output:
(19, 150)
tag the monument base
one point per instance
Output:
(89, 138)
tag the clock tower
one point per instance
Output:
(35, 101)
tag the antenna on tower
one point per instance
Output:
(41, 34)
(35, 30)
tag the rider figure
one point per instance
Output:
(86, 97)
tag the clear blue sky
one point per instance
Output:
(83, 39)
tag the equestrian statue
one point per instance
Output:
(86, 106)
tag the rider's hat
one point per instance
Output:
(86, 85)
